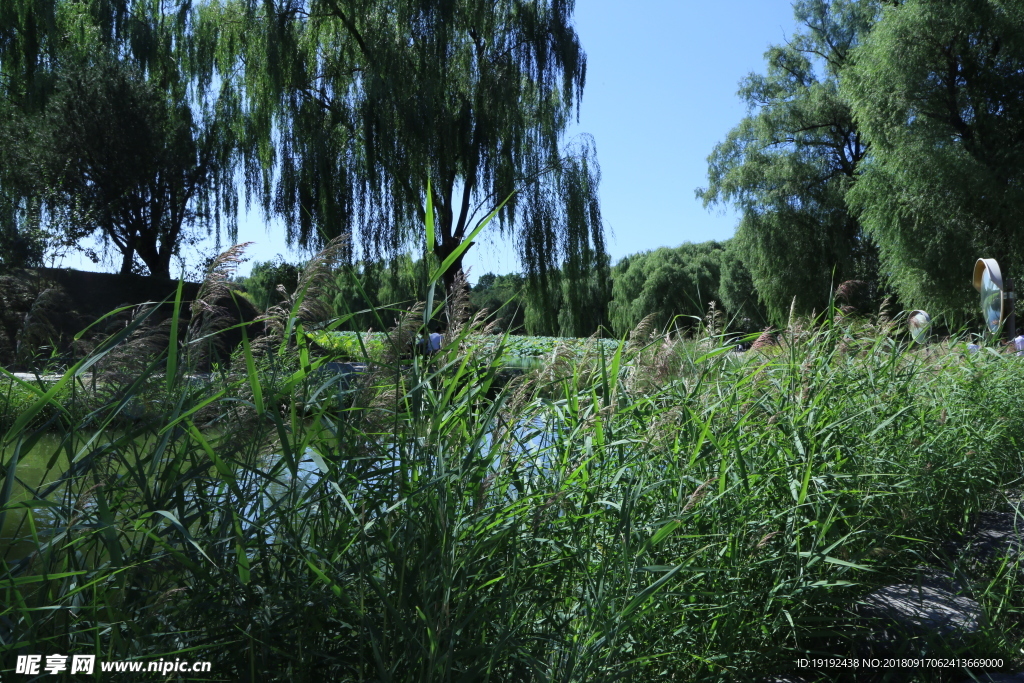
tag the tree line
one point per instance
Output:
(884, 143)
(676, 286)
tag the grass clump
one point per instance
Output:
(657, 510)
(16, 398)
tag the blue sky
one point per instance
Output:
(662, 77)
(661, 90)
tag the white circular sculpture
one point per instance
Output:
(920, 324)
(988, 280)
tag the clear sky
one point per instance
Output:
(662, 77)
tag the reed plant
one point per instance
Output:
(669, 510)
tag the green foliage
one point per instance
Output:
(370, 99)
(586, 295)
(789, 165)
(30, 40)
(568, 302)
(352, 346)
(737, 292)
(938, 88)
(581, 525)
(390, 287)
(669, 283)
(503, 297)
(111, 127)
(266, 277)
(665, 283)
(115, 144)
(567, 307)
(543, 303)
(20, 245)
(16, 398)
(513, 350)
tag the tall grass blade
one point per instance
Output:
(172, 342)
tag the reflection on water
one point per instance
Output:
(531, 445)
(45, 462)
(43, 473)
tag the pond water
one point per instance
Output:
(47, 461)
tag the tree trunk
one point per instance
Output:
(127, 258)
(443, 251)
(158, 262)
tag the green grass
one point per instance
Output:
(695, 515)
(351, 345)
(17, 397)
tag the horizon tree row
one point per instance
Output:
(676, 285)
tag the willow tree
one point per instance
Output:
(939, 88)
(30, 40)
(353, 105)
(123, 130)
(26, 48)
(676, 284)
(790, 163)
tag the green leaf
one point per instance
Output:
(172, 342)
(252, 376)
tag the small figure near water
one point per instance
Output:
(429, 344)
(434, 344)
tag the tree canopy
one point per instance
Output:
(666, 282)
(265, 278)
(336, 114)
(131, 158)
(502, 297)
(737, 292)
(390, 286)
(103, 103)
(575, 301)
(351, 107)
(939, 88)
(790, 163)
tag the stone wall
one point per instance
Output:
(42, 309)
